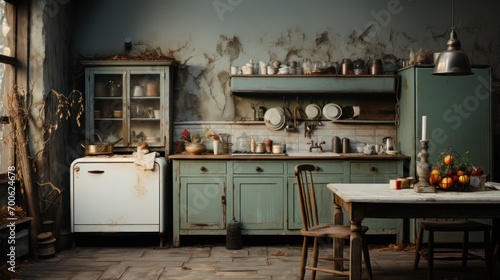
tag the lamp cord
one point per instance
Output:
(452, 16)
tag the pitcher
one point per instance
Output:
(389, 143)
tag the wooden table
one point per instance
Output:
(378, 201)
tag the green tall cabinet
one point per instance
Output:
(458, 111)
(458, 114)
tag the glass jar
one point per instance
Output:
(243, 143)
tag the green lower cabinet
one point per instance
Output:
(374, 171)
(259, 203)
(326, 172)
(324, 200)
(378, 172)
(262, 195)
(202, 203)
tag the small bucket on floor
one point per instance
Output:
(233, 236)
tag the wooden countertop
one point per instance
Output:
(349, 156)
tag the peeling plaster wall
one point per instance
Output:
(49, 54)
(207, 37)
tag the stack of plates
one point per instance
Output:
(274, 118)
(332, 111)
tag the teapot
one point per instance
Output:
(369, 149)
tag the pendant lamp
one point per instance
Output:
(453, 61)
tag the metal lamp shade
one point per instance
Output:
(453, 61)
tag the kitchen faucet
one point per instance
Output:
(315, 145)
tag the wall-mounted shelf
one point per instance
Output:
(310, 84)
(375, 94)
(364, 122)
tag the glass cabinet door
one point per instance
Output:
(109, 111)
(145, 109)
(128, 101)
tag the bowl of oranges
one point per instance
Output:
(454, 172)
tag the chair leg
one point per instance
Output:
(366, 254)
(430, 255)
(420, 236)
(465, 249)
(315, 257)
(303, 260)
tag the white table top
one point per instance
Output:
(373, 193)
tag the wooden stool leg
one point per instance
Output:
(418, 248)
(488, 256)
(465, 249)
(430, 255)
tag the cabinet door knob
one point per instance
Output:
(373, 169)
(316, 168)
(223, 199)
(203, 168)
(258, 169)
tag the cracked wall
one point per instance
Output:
(208, 37)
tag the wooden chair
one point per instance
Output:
(439, 225)
(313, 229)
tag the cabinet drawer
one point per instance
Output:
(323, 166)
(258, 167)
(202, 167)
(374, 167)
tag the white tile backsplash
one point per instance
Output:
(296, 141)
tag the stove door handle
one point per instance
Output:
(96, 171)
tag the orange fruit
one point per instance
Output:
(449, 160)
(435, 177)
(464, 179)
(460, 173)
(446, 183)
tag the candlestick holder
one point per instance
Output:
(424, 170)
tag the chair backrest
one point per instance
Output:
(306, 194)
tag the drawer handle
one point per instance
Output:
(96, 171)
(258, 169)
(203, 168)
(373, 169)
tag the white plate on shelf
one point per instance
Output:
(313, 111)
(332, 111)
(274, 118)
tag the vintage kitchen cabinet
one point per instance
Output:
(458, 110)
(200, 199)
(261, 194)
(130, 100)
(114, 194)
(326, 172)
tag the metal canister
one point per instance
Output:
(376, 67)
(347, 67)
(345, 145)
(336, 148)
